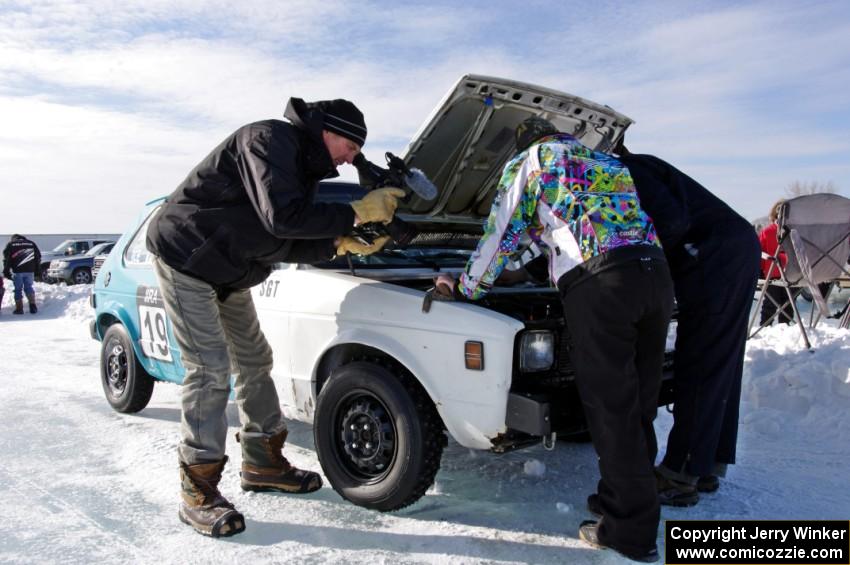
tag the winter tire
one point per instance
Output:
(81, 276)
(45, 278)
(378, 436)
(127, 386)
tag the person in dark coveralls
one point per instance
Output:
(248, 205)
(581, 207)
(714, 257)
(21, 261)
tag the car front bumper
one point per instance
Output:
(59, 274)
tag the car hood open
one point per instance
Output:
(469, 137)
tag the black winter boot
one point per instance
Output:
(264, 468)
(31, 300)
(19, 307)
(708, 483)
(203, 507)
(675, 493)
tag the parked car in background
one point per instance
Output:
(98, 262)
(77, 269)
(382, 373)
(67, 248)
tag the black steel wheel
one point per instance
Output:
(368, 435)
(378, 436)
(127, 386)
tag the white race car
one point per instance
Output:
(360, 348)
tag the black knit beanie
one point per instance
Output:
(343, 118)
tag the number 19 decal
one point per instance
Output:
(154, 335)
(152, 322)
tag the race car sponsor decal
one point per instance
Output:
(152, 323)
(268, 288)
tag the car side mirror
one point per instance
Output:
(69, 251)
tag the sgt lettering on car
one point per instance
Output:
(152, 324)
(269, 288)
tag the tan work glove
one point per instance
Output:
(378, 205)
(348, 244)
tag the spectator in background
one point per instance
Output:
(769, 240)
(21, 260)
(2, 291)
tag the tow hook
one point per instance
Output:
(429, 298)
(549, 441)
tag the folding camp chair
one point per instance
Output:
(814, 234)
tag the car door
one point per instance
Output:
(273, 299)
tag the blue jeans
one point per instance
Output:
(23, 285)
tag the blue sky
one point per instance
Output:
(106, 104)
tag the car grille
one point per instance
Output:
(98, 262)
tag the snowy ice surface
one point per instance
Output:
(83, 484)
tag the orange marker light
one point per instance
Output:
(473, 352)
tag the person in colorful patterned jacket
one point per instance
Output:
(581, 207)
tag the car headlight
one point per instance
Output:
(536, 350)
(58, 264)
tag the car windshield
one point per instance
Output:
(99, 249)
(63, 246)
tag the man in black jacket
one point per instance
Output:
(714, 255)
(248, 205)
(21, 261)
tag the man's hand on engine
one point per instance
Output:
(378, 205)
(350, 245)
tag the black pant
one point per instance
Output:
(618, 321)
(709, 362)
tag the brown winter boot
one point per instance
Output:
(31, 300)
(203, 507)
(19, 307)
(264, 468)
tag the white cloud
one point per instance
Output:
(136, 92)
